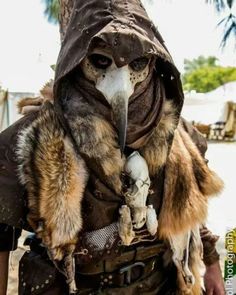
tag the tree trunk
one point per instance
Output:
(66, 7)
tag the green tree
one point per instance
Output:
(59, 11)
(228, 22)
(52, 10)
(203, 74)
(201, 61)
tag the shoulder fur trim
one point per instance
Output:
(188, 184)
(55, 178)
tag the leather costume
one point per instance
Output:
(103, 265)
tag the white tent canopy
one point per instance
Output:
(210, 107)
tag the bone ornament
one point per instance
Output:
(180, 245)
(151, 221)
(180, 248)
(125, 226)
(136, 197)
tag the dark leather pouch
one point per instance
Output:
(36, 274)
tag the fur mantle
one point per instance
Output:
(188, 180)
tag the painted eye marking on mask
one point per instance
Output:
(100, 61)
(139, 69)
(139, 64)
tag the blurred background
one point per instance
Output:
(201, 36)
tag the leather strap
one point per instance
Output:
(123, 276)
(138, 254)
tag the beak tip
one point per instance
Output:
(122, 151)
(122, 141)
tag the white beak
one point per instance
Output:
(117, 88)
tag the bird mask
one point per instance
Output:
(117, 84)
(113, 63)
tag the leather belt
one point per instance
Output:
(123, 270)
(122, 277)
(138, 254)
(127, 268)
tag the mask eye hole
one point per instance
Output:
(139, 64)
(100, 61)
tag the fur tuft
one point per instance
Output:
(31, 104)
(47, 91)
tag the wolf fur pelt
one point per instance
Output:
(55, 178)
(188, 181)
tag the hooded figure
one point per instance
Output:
(108, 174)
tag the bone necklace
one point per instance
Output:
(135, 214)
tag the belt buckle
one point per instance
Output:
(126, 270)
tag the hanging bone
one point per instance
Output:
(136, 196)
(180, 245)
(126, 231)
(151, 221)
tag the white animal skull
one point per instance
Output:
(136, 197)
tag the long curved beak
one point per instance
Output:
(117, 89)
(120, 111)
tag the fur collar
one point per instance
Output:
(187, 186)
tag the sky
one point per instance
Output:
(29, 44)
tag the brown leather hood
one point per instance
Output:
(123, 25)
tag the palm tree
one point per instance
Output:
(228, 22)
(52, 8)
(59, 11)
